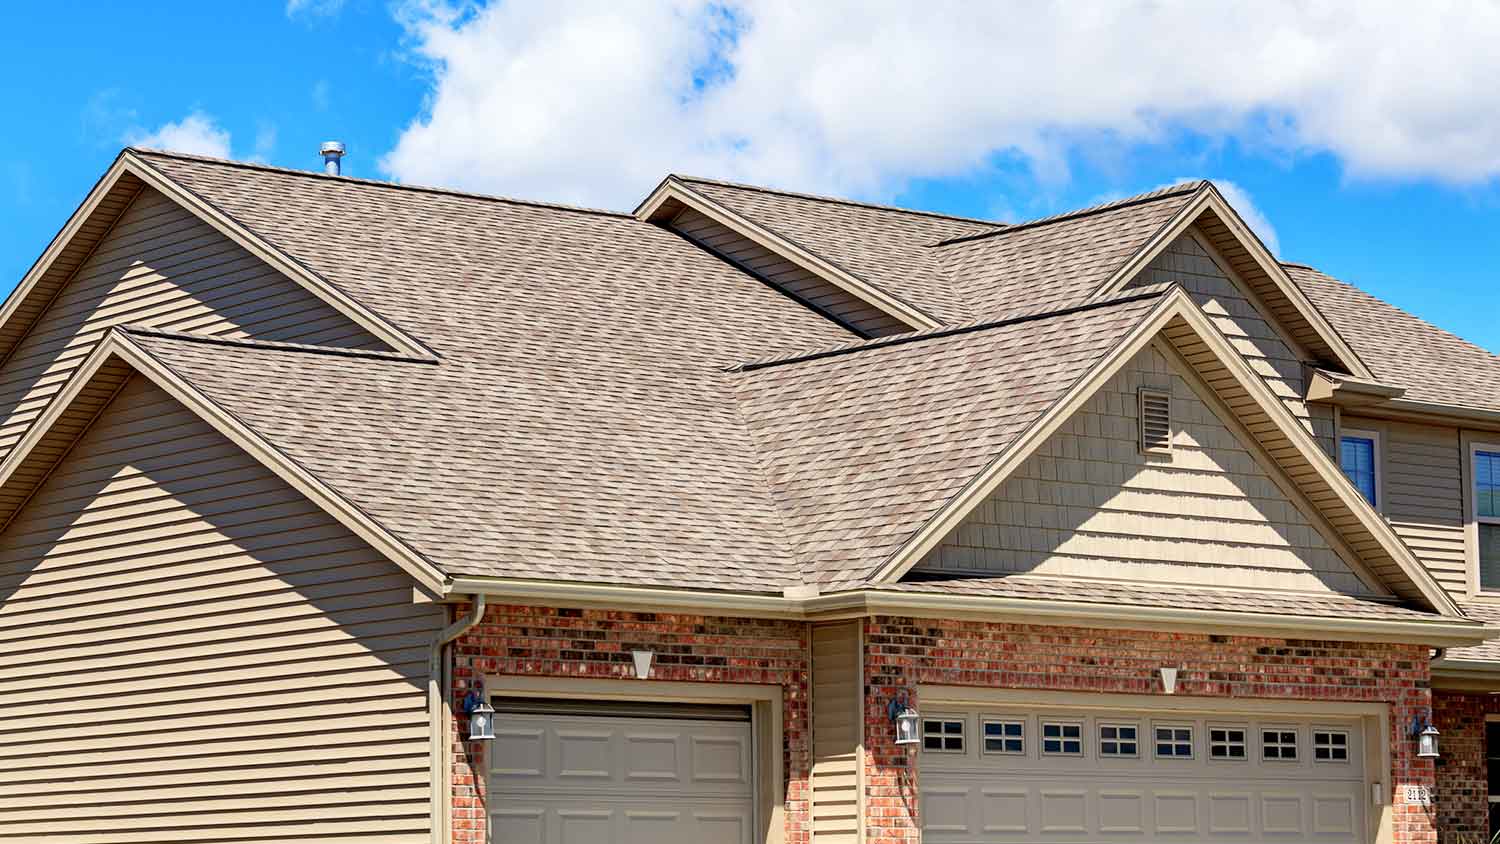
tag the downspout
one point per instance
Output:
(439, 680)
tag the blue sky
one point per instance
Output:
(1385, 177)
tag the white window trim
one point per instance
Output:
(1246, 743)
(1099, 739)
(1348, 746)
(962, 734)
(1025, 736)
(1041, 737)
(1471, 530)
(1379, 458)
(1192, 741)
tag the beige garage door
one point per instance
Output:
(570, 773)
(1062, 775)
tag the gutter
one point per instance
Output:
(1467, 675)
(808, 605)
(439, 680)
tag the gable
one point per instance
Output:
(1088, 503)
(1244, 320)
(165, 570)
(162, 266)
(796, 281)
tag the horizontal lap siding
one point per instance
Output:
(160, 266)
(1423, 488)
(788, 276)
(190, 651)
(1089, 503)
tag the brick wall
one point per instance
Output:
(1462, 794)
(902, 652)
(552, 642)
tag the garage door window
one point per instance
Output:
(1330, 746)
(1060, 738)
(1278, 745)
(943, 736)
(1226, 743)
(1119, 740)
(1008, 737)
(1174, 742)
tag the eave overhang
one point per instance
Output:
(1347, 390)
(858, 603)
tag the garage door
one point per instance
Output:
(569, 773)
(1062, 775)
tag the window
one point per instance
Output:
(1359, 457)
(1062, 739)
(1156, 421)
(1330, 746)
(1278, 745)
(943, 736)
(1005, 737)
(1226, 743)
(1487, 513)
(1118, 740)
(1174, 742)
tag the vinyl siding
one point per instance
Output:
(1421, 474)
(160, 266)
(191, 651)
(1090, 504)
(1234, 312)
(836, 719)
(786, 275)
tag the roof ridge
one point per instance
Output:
(1157, 195)
(379, 183)
(1154, 291)
(268, 345)
(837, 200)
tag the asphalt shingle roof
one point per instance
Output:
(612, 404)
(1402, 349)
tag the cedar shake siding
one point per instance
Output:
(1089, 503)
(192, 652)
(1236, 312)
(815, 291)
(164, 267)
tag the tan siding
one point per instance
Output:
(786, 275)
(836, 719)
(190, 651)
(163, 267)
(1235, 312)
(1089, 503)
(1422, 484)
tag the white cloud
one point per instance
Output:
(197, 133)
(593, 101)
(313, 8)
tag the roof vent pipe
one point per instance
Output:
(332, 151)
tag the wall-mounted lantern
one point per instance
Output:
(481, 716)
(906, 720)
(1426, 736)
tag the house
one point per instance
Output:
(1147, 535)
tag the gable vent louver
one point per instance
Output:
(1156, 421)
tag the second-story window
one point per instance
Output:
(1359, 457)
(1487, 513)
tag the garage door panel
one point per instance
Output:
(602, 779)
(1178, 792)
